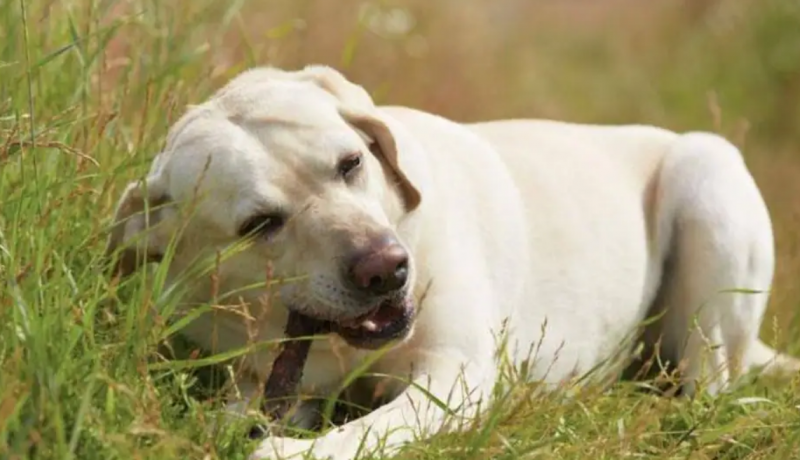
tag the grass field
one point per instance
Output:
(89, 87)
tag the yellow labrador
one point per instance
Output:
(559, 238)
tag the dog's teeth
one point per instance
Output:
(369, 325)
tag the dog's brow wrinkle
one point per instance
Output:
(241, 119)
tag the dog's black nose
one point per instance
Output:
(381, 269)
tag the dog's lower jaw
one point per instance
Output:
(389, 323)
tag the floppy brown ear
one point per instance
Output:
(140, 208)
(385, 146)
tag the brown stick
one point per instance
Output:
(287, 369)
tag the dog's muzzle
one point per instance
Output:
(378, 273)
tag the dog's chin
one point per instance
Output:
(388, 322)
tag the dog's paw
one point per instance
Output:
(279, 448)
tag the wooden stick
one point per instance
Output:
(287, 369)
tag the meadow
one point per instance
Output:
(88, 89)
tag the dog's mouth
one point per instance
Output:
(389, 321)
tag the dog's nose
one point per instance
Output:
(381, 270)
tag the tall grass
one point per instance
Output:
(89, 87)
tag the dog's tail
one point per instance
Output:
(770, 361)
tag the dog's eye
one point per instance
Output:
(349, 165)
(262, 224)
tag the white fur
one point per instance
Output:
(567, 234)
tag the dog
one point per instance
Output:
(439, 243)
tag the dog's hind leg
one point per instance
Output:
(718, 241)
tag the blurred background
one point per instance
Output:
(728, 66)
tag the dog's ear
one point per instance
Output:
(358, 109)
(332, 81)
(143, 205)
(383, 144)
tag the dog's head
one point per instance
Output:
(301, 170)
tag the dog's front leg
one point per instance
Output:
(442, 397)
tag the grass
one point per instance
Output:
(89, 87)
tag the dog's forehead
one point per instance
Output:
(259, 147)
(298, 102)
(287, 117)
